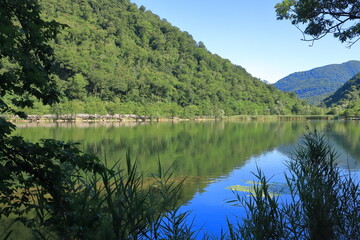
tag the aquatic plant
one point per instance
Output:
(66, 200)
(325, 201)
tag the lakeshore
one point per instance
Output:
(141, 118)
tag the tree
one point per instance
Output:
(34, 177)
(317, 18)
(23, 42)
(76, 87)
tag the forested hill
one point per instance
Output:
(316, 84)
(119, 53)
(348, 97)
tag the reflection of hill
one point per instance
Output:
(345, 160)
(342, 136)
(287, 149)
(199, 149)
(203, 150)
(347, 136)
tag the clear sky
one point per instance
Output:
(247, 33)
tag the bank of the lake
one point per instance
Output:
(137, 118)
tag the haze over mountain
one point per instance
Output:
(131, 59)
(318, 83)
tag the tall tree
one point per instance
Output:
(48, 166)
(317, 18)
(23, 43)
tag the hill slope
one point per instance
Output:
(316, 84)
(348, 96)
(117, 52)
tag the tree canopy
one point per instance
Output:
(120, 55)
(49, 166)
(117, 58)
(317, 18)
(347, 97)
(26, 58)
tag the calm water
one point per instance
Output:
(215, 155)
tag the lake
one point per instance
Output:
(214, 155)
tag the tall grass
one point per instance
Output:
(324, 205)
(117, 203)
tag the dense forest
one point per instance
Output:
(56, 191)
(347, 97)
(113, 57)
(318, 83)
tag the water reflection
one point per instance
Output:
(206, 150)
(215, 155)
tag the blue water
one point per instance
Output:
(210, 208)
(217, 154)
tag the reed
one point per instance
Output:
(325, 200)
(114, 203)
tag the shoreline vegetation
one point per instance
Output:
(142, 118)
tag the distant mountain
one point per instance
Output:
(318, 83)
(347, 97)
(116, 52)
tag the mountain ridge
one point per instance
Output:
(316, 84)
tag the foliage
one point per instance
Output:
(120, 52)
(26, 59)
(264, 219)
(77, 201)
(51, 187)
(324, 200)
(42, 178)
(318, 83)
(44, 185)
(322, 17)
(25, 78)
(347, 97)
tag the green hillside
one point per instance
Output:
(118, 58)
(316, 84)
(347, 97)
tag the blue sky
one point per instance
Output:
(247, 33)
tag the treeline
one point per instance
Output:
(151, 110)
(114, 57)
(346, 98)
(94, 105)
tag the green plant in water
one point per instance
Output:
(141, 212)
(264, 218)
(324, 204)
(82, 199)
